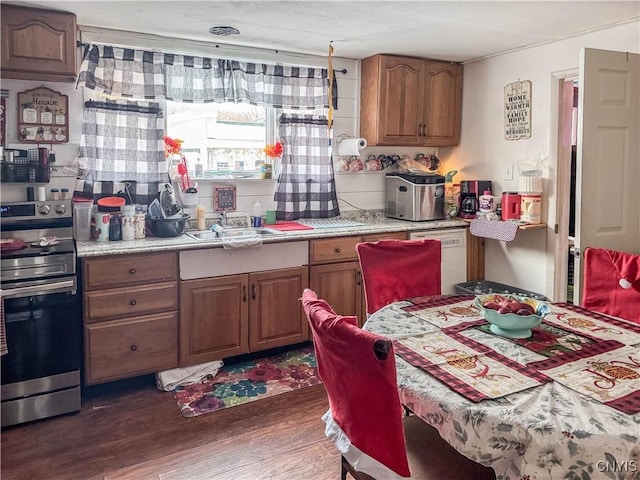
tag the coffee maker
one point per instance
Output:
(470, 191)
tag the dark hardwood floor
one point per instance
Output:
(133, 430)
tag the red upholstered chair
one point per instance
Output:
(611, 283)
(394, 270)
(365, 419)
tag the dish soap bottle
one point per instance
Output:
(200, 216)
(257, 215)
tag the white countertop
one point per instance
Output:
(92, 248)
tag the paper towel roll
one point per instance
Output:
(351, 146)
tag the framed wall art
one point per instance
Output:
(43, 116)
(517, 110)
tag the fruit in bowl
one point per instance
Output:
(512, 315)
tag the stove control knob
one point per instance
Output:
(61, 208)
(44, 209)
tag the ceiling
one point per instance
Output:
(445, 30)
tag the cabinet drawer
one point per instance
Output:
(130, 347)
(102, 304)
(374, 237)
(334, 249)
(122, 270)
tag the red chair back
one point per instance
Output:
(611, 283)
(394, 270)
(358, 371)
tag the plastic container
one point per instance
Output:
(257, 215)
(201, 217)
(511, 206)
(486, 202)
(82, 210)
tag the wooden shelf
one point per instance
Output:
(523, 226)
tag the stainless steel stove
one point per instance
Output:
(43, 316)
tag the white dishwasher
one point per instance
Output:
(454, 254)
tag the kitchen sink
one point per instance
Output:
(232, 232)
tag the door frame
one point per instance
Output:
(558, 236)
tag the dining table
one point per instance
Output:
(561, 404)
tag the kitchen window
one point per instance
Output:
(226, 139)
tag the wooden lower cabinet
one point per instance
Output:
(226, 316)
(337, 280)
(130, 346)
(214, 318)
(340, 284)
(130, 305)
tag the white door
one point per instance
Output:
(608, 157)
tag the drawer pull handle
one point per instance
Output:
(337, 250)
(134, 348)
(244, 294)
(132, 271)
(132, 302)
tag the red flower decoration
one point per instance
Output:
(172, 146)
(274, 151)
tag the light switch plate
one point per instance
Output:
(508, 172)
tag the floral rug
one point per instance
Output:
(244, 382)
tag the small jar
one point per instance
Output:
(55, 194)
(64, 194)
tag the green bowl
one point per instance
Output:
(509, 324)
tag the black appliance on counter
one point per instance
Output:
(470, 191)
(43, 315)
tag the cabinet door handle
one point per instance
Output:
(358, 277)
(244, 294)
(132, 271)
(134, 348)
(337, 250)
(253, 291)
(132, 302)
(424, 130)
(419, 130)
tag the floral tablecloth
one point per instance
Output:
(546, 432)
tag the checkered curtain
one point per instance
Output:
(306, 186)
(122, 141)
(140, 74)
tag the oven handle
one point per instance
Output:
(43, 289)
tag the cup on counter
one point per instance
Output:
(139, 227)
(101, 232)
(270, 217)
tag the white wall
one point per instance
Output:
(483, 152)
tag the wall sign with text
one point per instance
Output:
(517, 110)
(43, 116)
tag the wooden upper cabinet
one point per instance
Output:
(442, 104)
(38, 44)
(410, 101)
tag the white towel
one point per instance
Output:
(170, 379)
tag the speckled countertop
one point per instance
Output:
(374, 222)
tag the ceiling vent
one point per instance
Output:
(223, 30)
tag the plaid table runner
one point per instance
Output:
(473, 370)
(445, 311)
(587, 323)
(548, 340)
(612, 377)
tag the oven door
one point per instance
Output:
(43, 323)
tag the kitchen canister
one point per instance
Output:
(128, 228)
(139, 224)
(101, 228)
(82, 209)
(530, 208)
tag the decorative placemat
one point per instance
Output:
(585, 322)
(445, 311)
(612, 377)
(473, 370)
